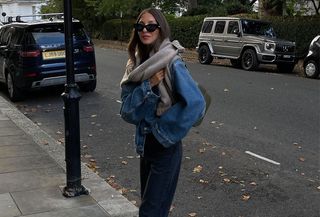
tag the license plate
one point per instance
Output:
(286, 56)
(48, 55)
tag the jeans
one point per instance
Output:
(159, 172)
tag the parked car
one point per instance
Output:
(311, 63)
(247, 43)
(32, 56)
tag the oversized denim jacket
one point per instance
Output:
(139, 104)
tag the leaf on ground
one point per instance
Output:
(302, 159)
(203, 181)
(124, 162)
(318, 188)
(245, 197)
(253, 183)
(226, 180)
(197, 169)
(59, 132)
(45, 142)
(172, 208)
(226, 90)
(192, 214)
(202, 150)
(87, 156)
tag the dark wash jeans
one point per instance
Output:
(159, 172)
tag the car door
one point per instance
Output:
(4, 37)
(218, 37)
(232, 40)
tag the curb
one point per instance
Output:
(106, 197)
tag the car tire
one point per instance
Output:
(285, 67)
(311, 69)
(88, 86)
(14, 92)
(249, 60)
(205, 55)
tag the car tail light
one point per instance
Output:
(30, 74)
(88, 48)
(34, 53)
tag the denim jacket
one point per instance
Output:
(139, 104)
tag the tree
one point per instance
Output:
(271, 7)
(53, 6)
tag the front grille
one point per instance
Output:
(284, 48)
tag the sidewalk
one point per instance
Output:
(32, 175)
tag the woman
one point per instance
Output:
(162, 100)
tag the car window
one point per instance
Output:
(5, 35)
(219, 26)
(233, 27)
(54, 34)
(207, 26)
(17, 36)
(257, 28)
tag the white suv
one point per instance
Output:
(245, 42)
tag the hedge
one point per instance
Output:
(186, 29)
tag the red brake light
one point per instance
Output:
(34, 53)
(88, 48)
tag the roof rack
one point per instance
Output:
(49, 16)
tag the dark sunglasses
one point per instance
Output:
(149, 27)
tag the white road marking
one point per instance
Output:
(262, 158)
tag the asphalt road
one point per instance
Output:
(257, 153)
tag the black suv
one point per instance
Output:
(32, 56)
(311, 63)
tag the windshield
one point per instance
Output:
(54, 34)
(257, 28)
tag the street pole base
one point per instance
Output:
(75, 191)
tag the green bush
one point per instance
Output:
(186, 29)
(298, 29)
(116, 29)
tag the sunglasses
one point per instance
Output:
(149, 27)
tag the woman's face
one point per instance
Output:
(145, 36)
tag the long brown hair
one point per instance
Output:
(144, 50)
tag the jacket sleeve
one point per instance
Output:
(175, 123)
(138, 102)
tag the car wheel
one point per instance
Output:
(89, 86)
(205, 55)
(14, 93)
(311, 69)
(249, 60)
(235, 63)
(285, 68)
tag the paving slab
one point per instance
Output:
(31, 179)
(88, 211)
(7, 206)
(20, 151)
(48, 199)
(15, 164)
(9, 129)
(15, 140)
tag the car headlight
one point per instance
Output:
(269, 46)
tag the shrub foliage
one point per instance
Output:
(186, 29)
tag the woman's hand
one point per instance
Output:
(157, 78)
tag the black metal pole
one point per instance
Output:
(71, 98)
